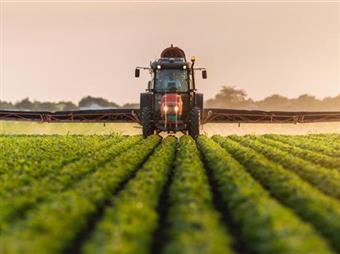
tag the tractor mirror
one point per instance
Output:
(137, 73)
(204, 74)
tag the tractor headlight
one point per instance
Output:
(176, 109)
(159, 67)
(165, 108)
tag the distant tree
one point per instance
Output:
(131, 105)
(305, 102)
(230, 97)
(89, 101)
(25, 104)
(233, 98)
(331, 103)
(227, 97)
(335, 103)
(67, 106)
(6, 105)
(44, 106)
(231, 94)
(273, 102)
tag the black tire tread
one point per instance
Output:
(146, 119)
(194, 122)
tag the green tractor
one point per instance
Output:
(171, 103)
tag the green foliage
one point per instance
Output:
(52, 227)
(314, 157)
(22, 192)
(128, 225)
(309, 203)
(311, 147)
(26, 104)
(113, 194)
(326, 180)
(264, 224)
(231, 97)
(90, 101)
(194, 225)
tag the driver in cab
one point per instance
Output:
(171, 82)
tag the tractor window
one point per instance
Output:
(171, 80)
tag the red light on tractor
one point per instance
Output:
(171, 104)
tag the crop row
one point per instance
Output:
(129, 222)
(193, 223)
(326, 180)
(26, 150)
(54, 225)
(265, 225)
(21, 154)
(309, 203)
(315, 157)
(329, 137)
(37, 168)
(21, 198)
(308, 144)
(115, 194)
(332, 140)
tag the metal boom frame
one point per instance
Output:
(210, 115)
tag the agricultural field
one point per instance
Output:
(124, 194)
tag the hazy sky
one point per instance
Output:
(64, 51)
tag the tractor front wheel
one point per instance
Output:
(194, 122)
(146, 119)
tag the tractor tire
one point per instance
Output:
(194, 122)
(146, 119)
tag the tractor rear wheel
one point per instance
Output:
(194, 122)
(146, 119)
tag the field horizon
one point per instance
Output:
(38, 128)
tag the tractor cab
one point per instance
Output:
(171, 100)
(168, 80)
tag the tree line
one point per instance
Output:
(227, 97)
(233, 98)
(88, 102)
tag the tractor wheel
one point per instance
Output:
(146, 119)
(194, 122)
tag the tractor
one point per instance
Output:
(170, 103)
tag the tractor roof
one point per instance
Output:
(171, 58)
(173, 52)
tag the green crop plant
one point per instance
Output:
(264, 224)
(326, 180)
(125, 194)
(194, 225)
(129, 223)
(52, 227)
(17, 198)
(321, 147)
(309, 203)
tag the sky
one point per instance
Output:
(52, 51)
